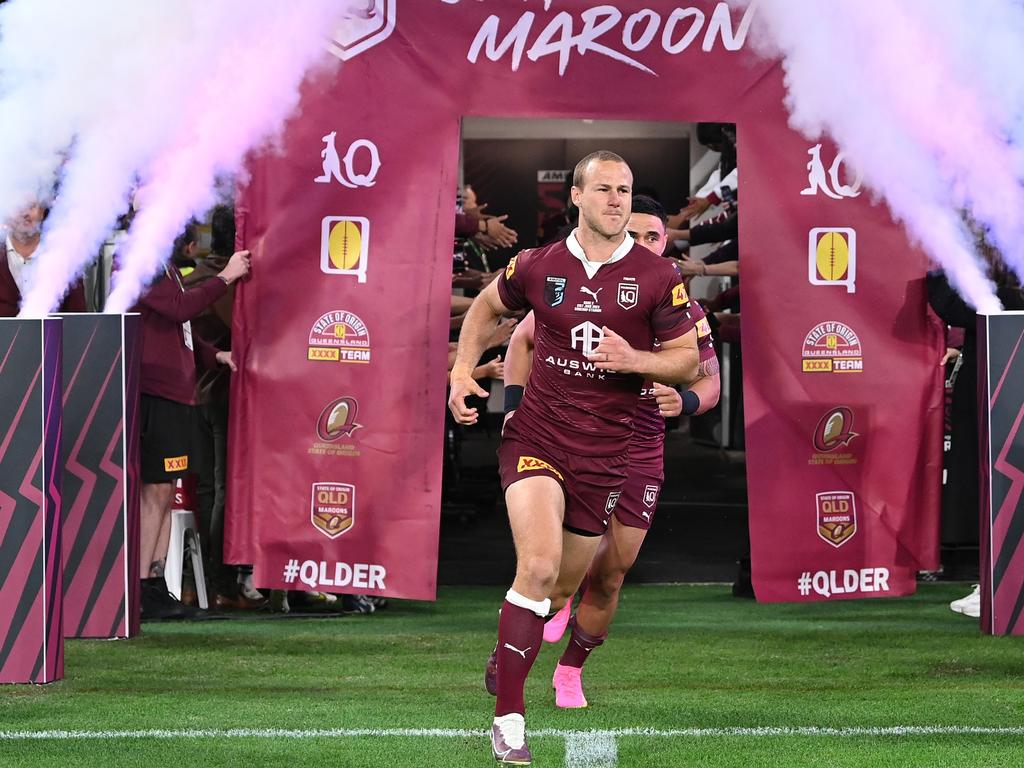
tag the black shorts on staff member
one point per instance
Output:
(166, 439)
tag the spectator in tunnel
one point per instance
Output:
(23, 234)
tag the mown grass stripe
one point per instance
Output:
(592, 737)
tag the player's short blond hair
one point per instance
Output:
(601, 156)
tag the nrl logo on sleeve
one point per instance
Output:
(333, 508)
(837, 517)
(530, 463)
(554, 291)
(367, 23)
(651, 496)
(629, 294)
(679, 296)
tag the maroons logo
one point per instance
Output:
(333, 508)
(834, 430)
(338, 419)
(832, 347)
(837, 517)
(367, 23)
(339, 336)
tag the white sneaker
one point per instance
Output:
(969, 605)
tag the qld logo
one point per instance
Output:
(651, 496)
(333, 508)
(338, 419)
(344, 246)
(832, 257)
(628, 295)
(367, 23)
(834, 430)
(836, 517)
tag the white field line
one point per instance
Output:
(589, 737)
(591, 749)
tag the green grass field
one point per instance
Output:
(679, 658)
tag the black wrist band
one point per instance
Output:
(691, 403)
(513, 394)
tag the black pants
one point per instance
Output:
(211, 451)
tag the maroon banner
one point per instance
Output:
(337, 413)
(31, 597)
(1001, 413)
(100, 460)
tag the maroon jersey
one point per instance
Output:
(649, 425)
(568, 400)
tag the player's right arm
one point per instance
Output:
(481, 320)
(518, 363)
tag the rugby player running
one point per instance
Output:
(634, 511)
(563, 455)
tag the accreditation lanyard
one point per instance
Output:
(186, 327)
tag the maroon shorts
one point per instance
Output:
(640, 494)
(591, 484)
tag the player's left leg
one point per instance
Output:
(617, 552)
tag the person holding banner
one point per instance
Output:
(167, 386)
(633, 514)
(561, 458)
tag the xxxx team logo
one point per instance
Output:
(367, 23)
(333, 508)
(511, 268)
(530, 463)
(837, 517)
(833, 432)
(344, 246)
(832, 347)
(339, 336)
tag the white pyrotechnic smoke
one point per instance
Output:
(926, 99)
(110, 92)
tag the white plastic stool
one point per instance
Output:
(184, 534)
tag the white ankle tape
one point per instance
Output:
(540, 607)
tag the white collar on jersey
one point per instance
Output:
(592, 266)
